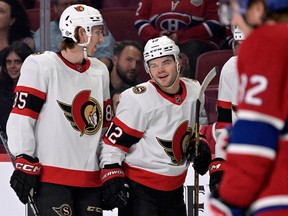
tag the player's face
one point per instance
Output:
(128, 64)
(164, 72)
(96, 38)
(255, 13)
(13, 65)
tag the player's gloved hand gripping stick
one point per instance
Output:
(25, 177)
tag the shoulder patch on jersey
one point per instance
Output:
(139, 89)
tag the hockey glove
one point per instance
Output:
(202, 161)
(216, 170)
(115, 189)
(25, 176)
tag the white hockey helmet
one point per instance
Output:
(237, 33)
(79, 15)
(160, 47)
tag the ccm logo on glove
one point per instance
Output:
(27, 167)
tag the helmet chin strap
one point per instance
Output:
(84, 46)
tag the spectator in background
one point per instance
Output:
(104, 51)
(192, 24)
(12, 61)
(127, 63)
(14, 25)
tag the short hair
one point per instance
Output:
(69, 43)
(119, 90)
(121, 45)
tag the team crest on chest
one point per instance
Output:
(176, 147)
(196, 2)
(84, 114)
(139, 89)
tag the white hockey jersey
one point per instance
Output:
(150, 132)
(226, 104)
(59, 112)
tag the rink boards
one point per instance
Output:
(10, 205)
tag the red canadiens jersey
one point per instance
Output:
(150, 132)
(59, 113)
(191, 19)
(258, 149)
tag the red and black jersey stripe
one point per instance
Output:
(28, 101)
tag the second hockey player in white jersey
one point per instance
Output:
(62, 104)
(150, 139)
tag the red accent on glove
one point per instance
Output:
(216, 166)
(31, 168)
(107, 174)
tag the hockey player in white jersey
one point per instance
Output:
(226, 108)
(226, 101)
(62, 105)
(150, 139)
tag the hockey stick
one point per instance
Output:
(204, 85)
(31, 202)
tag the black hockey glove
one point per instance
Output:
(115, 189)
(202, 161)
(216, 170)
(25, 176)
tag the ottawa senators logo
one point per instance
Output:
(79, 8)
(84, 114)
(175, 148)
(139, 89)
(63, 210)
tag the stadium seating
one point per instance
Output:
(205, 63)
(208, 60)
(120, 22)
(119, 3)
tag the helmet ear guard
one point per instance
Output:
(79, 15)
(160, 47)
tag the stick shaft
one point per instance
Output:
(204, 85)
(196, 174)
